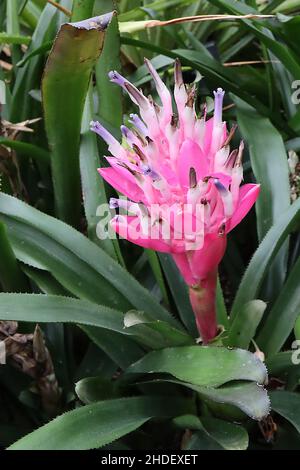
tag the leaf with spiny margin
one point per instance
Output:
(262, 258)
(287, 404)
(251, 398)
(206, 366)
(229, 436)
(155, 334)
(93, 389)
(67, 74)
(95, 425)
(78, 264)
(244, 325)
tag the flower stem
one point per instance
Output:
(203, 300)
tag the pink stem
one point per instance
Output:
(203, 300)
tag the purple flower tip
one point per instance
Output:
(113, 203)
(100, 130)
(95, 126)
(147, 171)
(220, 187)
(116, 77)
(219, 92)
(219, 95)
(125, 131)
(138, 123)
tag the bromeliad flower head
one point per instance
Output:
(182, 182)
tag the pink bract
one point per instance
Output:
(183, 185)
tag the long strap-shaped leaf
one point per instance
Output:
(55, 308)
(262, 258)
(281, 51)
(64, 87)
(24, 148)
(11, 277)
(112, 343)
(77, 263)
(93, 189)
(100, 423)
(270, 166)
(206, 366)
(287, 404)
(29, 76)
(249, 397)
(244, 326)
(282, 317)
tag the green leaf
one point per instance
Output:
(67, 74)
(158, 274)
(233, 398)
(109, 94)
(131, 27)
(203, 365)
(121, 349)
(260, 30)
(289, 27)
(104, 326)
(293, 144)
(93, 189)
(283, 315)
(280, 363)
(269, 164)
(201, 441)
(45, 47)
(13, 26)
(11, 277)
(287, 5)
(270, 7)
(30, 11)
(179, 291)
(82, 10)
(297, 328)
(294, 122)
(14, 39)
(155, 334)
(222, 316)
(95, 362)
(29, 77)
(26, 149)
(287, 404)
(52, 308)
(77, 263)
(158, 5)
(100, 423)
(251, 398)
(228, 435)
(263, 257)
(141, 76)
(244, 325)
(109, 98)
(93, 389)
(45, 281)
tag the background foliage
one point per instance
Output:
(101, 333)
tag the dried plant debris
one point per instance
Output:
(294, 166)
(29, 353)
